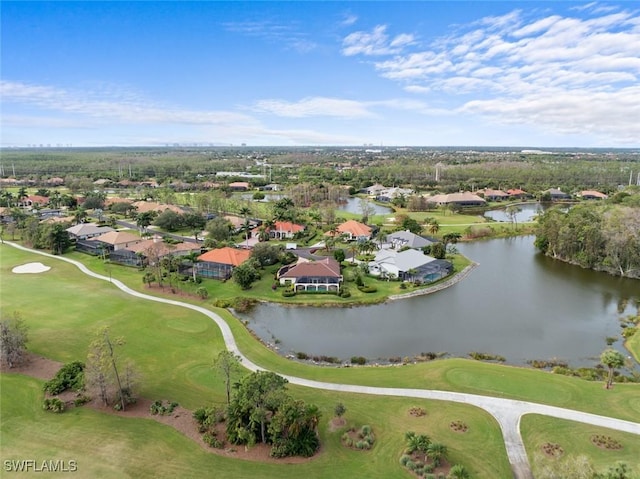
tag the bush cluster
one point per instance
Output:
(70, 376)
(53, 405)
(159, 408)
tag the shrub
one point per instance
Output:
(222, 303)
(211, 439)
(81, 400)
(301, 355)
(53, 405)
(69, 376)
(244, 305)
(358, 360)
(404, 459)
(345, 293)
(202, 292)
(287, 293)
(368, 289)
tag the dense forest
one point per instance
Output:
(604, 237)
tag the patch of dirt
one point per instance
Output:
(458, 426)
(175, 291)
(337, 423)
(180, 419)
(553, 450)
(605, 442)
(417, 412)
(34, 366)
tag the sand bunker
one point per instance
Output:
(31, 268)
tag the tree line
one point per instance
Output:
(602, 237)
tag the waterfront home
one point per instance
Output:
(312, 276)
(494, 195)
(592, 195)
(401, 239)
(409, 265)
(220, 262)
(150, 251)
(465, 199)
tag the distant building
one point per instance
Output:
(465, 199)
(592, 195)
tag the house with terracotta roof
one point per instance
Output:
(281, 230)
(312, 276)
(220, 262)
(518, 194)
(33, 200)
(592, 195)
(353, 230)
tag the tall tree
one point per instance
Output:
(13, 339)
(102, 369)
(227, 364)
(613, 360)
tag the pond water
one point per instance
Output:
(353, 206)
(528, 212)
(516, 303)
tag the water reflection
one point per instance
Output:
(517, 303)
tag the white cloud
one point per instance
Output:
(376, 42)
(570, 74)
(313, 107)
(349, 19)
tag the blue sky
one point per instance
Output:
(321, 73)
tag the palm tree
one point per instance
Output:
(512, 212)
(436, 452)
(193, 259)
(432, 225)
(612, 359)
(458, 472)
(416, 442)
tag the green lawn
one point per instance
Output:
(174, 348)
(575, 439)
(108, 446)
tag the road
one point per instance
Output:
(507, 412)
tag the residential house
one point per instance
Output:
(219, 263)
(33, 201)
(558, 195)
(494, 195)
(465, 199)
(401, 239)
(239, 186)
(145, 206)
(353, 230)
(150, 251)
(373, 190)
(312, 276)
(108, 242)
(409, 265)
(389, 194)
(85, 231)
(281, 230)
(592, 195)
(518, 194)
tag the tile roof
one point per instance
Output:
(324, 267)
(226, 255)
(162, 248)
(354, 227)
(117, 237)
(84, 229)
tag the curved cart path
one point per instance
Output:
(507, 412)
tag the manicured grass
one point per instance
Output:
(174, 347)
(149, 327)
(108, 446)
(574, 438)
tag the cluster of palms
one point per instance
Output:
(421, 445)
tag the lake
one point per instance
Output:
(517, 304)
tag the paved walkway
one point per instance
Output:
(507, 412)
